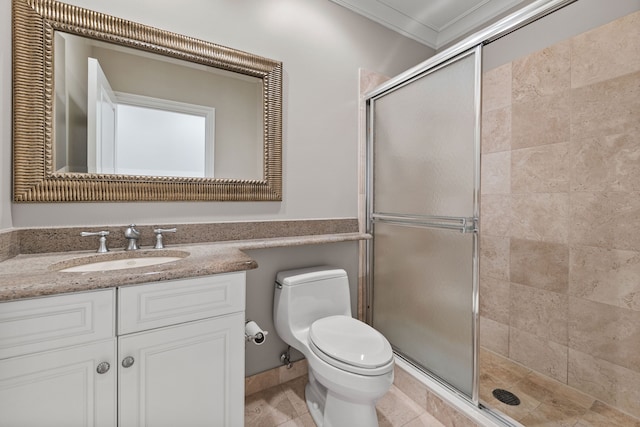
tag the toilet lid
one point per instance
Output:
(351, 341)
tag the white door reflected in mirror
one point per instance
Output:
(136, 135)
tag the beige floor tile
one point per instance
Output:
(424, 420)
(410, 386)
(544, 389)
(301, 421)
(268, 408)
(613, 416)
(295, 393)
(544, 401)
(501, 368)
(555, 412)
(396, 409)
(527, 403)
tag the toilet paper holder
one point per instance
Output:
(254, 333)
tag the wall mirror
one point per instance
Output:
(111, 110)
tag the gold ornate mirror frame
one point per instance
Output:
(34, 178)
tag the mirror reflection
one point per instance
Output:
(124, 111)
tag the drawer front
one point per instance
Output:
(161, 304)
(38, 324)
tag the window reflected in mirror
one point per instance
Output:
(124, 111)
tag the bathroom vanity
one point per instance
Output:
(161, 354)
(159, 344)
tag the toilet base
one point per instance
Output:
(315, 402)
(329, 410)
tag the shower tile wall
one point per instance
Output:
(560, 212)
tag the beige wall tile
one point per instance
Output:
(494, 257)
(605, 163)
(539, 354)
(574, 182)
(605, 275)
(538, 312)
(540, 216)
(606, 332)
(494, 336)
(495, 215)
(540, 264)
(607, 220)
(542, 73)
(496, 88)
(541, 121)
(608, 382)
(611, 107)
(496, 130)
(495, 173)
(606, 52)
(261, 381)
(494, 299)
(298, 369)
(543, 169)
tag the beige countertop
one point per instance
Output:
(32, 275)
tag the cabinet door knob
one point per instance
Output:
(127, 362)
(103, 368)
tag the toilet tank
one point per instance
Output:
(305, 295)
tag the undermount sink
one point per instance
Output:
(122, 263)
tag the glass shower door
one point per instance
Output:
(423, 210)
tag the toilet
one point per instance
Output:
(350, 364)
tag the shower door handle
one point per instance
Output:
(461, 224)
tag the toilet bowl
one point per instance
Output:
(350, 363)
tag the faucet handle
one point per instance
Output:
(158, 232)
(102, 246)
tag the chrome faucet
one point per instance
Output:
(132, 236)
(102, 247)
(158, 232)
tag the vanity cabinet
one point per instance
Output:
(181, 353)
(176, 356)
(50, 350)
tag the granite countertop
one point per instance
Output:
(32, 275)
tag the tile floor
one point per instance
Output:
(284, 406)
(544, 401)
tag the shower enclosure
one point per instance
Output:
(559, 252)
(424, 158)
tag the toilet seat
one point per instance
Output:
(351, 345)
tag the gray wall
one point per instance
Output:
(322, 46)
(260, 287)
(5, 114)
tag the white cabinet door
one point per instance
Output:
(185, 375)
(60, 388)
